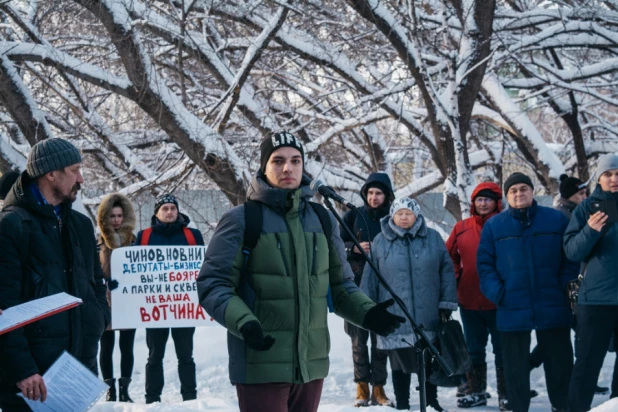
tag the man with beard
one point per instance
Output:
(377, 193)
(48, 248)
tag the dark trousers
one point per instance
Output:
(403, 363)
(478, 325)
(127, 337)
(595, 327)
(9, 401)
(280, 397)
(156, 339)
(365, 369)
(557, 352)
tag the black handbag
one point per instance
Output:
(452, 347)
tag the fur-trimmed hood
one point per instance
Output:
(124, 235)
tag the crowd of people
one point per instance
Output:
(277, 264)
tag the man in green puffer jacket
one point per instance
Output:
(275, 306)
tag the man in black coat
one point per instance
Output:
(48, 248)
(377, 194)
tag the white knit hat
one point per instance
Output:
(406, 203)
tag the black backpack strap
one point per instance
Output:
(253, 229)
(324, 219)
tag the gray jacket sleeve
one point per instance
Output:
(448, 284)
(350, 303)
(221, 274)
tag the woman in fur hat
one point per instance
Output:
(116, 220)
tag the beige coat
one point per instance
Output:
(111, 239)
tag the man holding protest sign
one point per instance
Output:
(48, 248)
(169, 228)
(273, 299)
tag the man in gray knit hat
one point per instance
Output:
(48, 248)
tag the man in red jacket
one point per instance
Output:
(478, 314)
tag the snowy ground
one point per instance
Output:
(215, 393)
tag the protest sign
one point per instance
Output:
(156, 287)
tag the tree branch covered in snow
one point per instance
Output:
(441, 94)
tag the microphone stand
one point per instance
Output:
(425, 343)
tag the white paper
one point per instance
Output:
(156, 287)
(71, 387)
(35, 309)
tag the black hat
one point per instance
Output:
(570, 185)
(6, 183)
(517, 178)
(488, 193)
(163, 199)
(276, 141)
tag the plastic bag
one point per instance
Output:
(452, 347)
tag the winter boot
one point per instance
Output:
(431, 391)
(401, 386)
(477, 384)
(601, 390)
(123, 390)
(362, 394)
(378, 397)
(111, 392)
(503, 402)
(462, 390)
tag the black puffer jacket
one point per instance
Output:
(365, 221)
(55, 262)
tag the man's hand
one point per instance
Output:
(254, 337)
(381, 321)
(597, 221)
(33, 388)
(366, 247)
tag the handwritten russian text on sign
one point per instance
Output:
(156, 287)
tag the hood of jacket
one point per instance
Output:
(278, 199)
(123, 236)
(494, 188)
(21, 195)
(391, 231)
(600, 194)
(385, 181)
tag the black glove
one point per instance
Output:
(254, 337)
(445, 314)
(381, 321)
(112, 284)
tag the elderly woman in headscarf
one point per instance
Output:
(116, 220)
(415, 263)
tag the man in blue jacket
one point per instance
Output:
(524, 271)
(169, 228)
(592, 238)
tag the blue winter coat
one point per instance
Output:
(598, 249)
(523, 268)
(417, 266)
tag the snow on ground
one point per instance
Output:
(215, 393)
